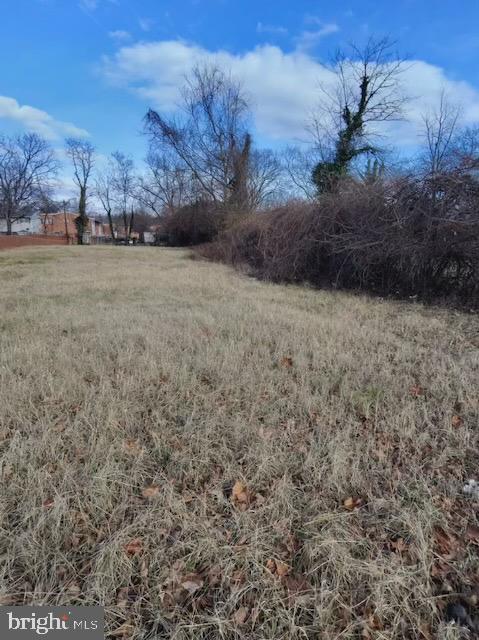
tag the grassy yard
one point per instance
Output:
(213, 457)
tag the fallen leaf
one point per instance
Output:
(122, 597)
(240, 616)
(215, 576)
(287, 362)
(416, 391)
(151, 491)
(126, 630)
(446, 543)
(352, 503)
(278, 568)
(238, 577)
(399, 545)
(239, 491)
(73, 589)
(472, 534)
(271, 565)
(134, 547)
(440, 569)
(132, 446)
(48, 503)
(282, 569)
(425, 631)
(296, 584)
(456, 421)
(192, 583)
(374, 622)
(241, 496)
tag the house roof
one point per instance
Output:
(94, 216)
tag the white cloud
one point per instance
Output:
(119, 35)
(37, 121)
(310, 38)
(271, 28)
(283, 85)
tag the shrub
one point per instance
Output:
(193, 224)
(407, 237)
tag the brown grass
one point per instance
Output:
(125, 368)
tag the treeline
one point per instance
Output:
(334, 213)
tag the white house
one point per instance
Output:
(27, 225)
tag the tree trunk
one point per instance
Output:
(110, 222)
(126, 226)
(130, 228)
(82, 220)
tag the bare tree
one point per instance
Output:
(27, 167)
(440, 130)
(466, 148)
(209, 138)
(124, 185)
(365, 90)
(298, 165)
(263, 181)
(81, 154)
(166, 185)
(104, 193)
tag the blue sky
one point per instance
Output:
(93, 67)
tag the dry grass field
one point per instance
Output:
(213, 457)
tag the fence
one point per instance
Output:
(12, 242)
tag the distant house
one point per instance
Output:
(120, 236)
(27, 225)
(147, 237)
(63, 223)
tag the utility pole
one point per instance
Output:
(64, 203)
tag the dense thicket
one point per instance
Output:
(407, 237)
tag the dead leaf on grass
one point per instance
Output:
(447, 544)
(151, 491)
(278, 568)
(472, 534)
(122, 597)
(241, 496)
(73, 589)
(192, 583)
(353, 503)
(425, 631)
(240, 616)
(296, 586)
(132, 446)
(126, 630)
(456, 421)
(215, 576)
(416, 391)
(286, 362)
(399, 545)
(134, 547)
